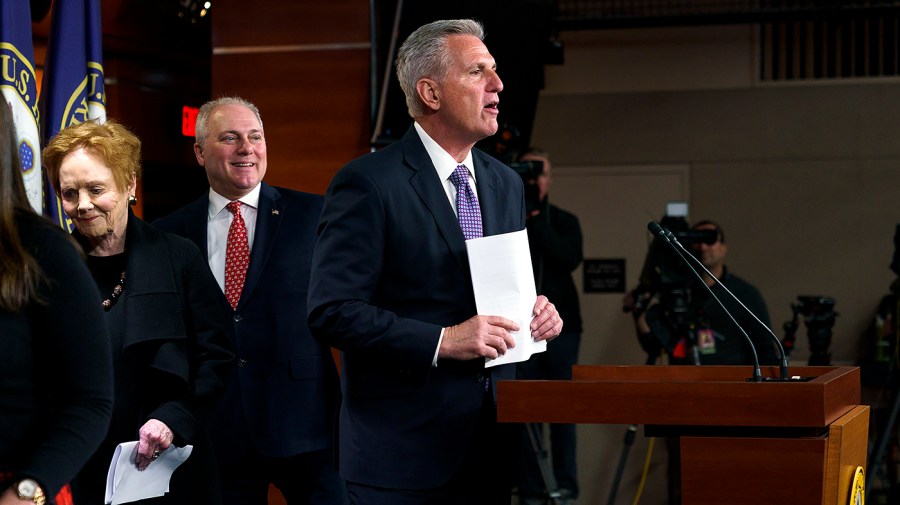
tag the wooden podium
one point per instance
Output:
(742, 442)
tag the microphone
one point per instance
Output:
(656, 229)
(670, 237)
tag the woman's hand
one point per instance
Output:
(155, 437)
(11, 497)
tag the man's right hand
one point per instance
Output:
(478, 337)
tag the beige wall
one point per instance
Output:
(803, 177)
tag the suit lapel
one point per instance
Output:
(268, 219)
(146, 275)
(197, 224)
(430, 189)
(488, 193)
(143, 244)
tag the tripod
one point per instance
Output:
(628, 441)
(882, 441)
(551, 490)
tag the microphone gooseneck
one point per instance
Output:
(784, 362)
(670, 239)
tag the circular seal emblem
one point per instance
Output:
(858, 487)
(18, 90)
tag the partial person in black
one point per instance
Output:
(718, 341)
(170, 352)
(555, 240)
(55, 366)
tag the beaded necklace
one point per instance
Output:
(116, 292)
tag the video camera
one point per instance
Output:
(666, 279)
(507, 145)
(663, 271)
(697, 236)
(819, 315)
(529, 171)
(815, 306)
(675, 221)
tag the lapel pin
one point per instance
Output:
(274, 212)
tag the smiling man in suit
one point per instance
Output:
(391, 287)
(276, 421)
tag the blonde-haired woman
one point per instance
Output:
(170, 353)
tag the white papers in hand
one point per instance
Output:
(125, 483)
(504, 286)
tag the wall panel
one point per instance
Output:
(314, 108)
(306, 66)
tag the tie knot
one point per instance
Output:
(460, 176)
(234, 207)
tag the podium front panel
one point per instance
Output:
(751, 471)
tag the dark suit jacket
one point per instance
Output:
(554, 237)
(390, 270)
(189, 344)
(283, 396)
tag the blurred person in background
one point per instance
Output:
(556, 244)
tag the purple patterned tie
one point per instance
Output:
(466, 204)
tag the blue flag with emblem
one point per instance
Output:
(18, 85)
(72, 90)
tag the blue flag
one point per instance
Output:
(72, 90)
(18, 85)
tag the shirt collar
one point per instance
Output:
(442, 161)
(218, 202)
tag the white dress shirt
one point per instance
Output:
(445, 165)
(219, 220)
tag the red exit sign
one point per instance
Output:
(189, 120)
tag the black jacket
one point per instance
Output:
(554, 237)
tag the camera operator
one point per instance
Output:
(697, 331)
(555, 240)
(716, 339)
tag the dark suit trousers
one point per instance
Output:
(305, 479)
(484, 478)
